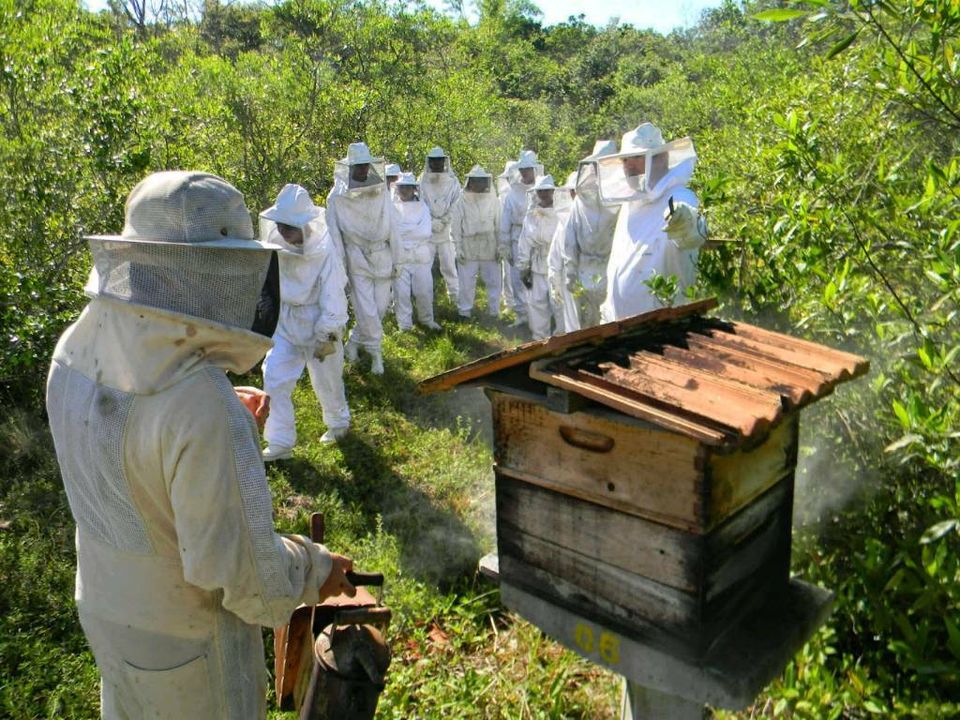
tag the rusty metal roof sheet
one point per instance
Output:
(719, 382)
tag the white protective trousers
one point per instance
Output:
(489, 271)
(414, 279)
(539, 310)
(446, 254)
(282, 369)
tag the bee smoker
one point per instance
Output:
(332, 658)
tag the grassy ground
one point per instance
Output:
(409, 492)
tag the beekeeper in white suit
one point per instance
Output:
(359, 218)
(562, 303)
(178, 566)
(588, 235)
(475, 227)
(313, 315)
(659, 229)
(413, 256)
(513, 208)
(533, 247)
(440, 190)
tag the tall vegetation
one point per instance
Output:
(828, 140)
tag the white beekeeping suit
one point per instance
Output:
(648, 175)
(413, 255)
(588, 235)
(533, 247)
(440, 190)
(476, 230)
(178, 566)
(506, 263)
(513, 209)
(562, 303)
(359, 217)
(391, 172)
(313, 315)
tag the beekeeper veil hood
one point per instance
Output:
(587, 182)
(478, 181)
(188, 247)
(294, 207)
(527, 159)
(436, 158)
(359, 172)
(544, 186)
(646, 167)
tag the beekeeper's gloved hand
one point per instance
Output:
(684, 227)
(437, 225)
(325, 348)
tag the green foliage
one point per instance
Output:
(828, 151)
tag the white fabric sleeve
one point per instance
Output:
(570, 248)
(456, 223)
(505, 240)
(223, 512)
(333, 298)
(522, 260)
(333, 228)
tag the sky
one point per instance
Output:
(661, 15)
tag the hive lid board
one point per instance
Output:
(721, 383)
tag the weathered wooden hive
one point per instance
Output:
(645, 468)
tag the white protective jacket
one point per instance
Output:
(359, 220)
(178, 565)
(313, 303)
(440, 191)
(641, 248)
(413, 232)
(539, 227)
(475, 226)
(513, 209)
(588, 237)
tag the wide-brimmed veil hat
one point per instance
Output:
(661, 159)
(294, 206)
(185, 248)
(407, 178)
(179, 207)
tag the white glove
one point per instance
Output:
(437, 226)
(683, 226)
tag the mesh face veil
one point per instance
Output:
(209, 283)
(645, 173)
(187, 247)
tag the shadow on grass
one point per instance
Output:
(435, 545)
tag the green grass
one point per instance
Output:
(409, 492)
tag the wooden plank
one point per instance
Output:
(735, 479)
(603, 591)
(759, 377)
(608, 394)
(658, 552)
(642, 703)
(711, 404)
(558, 344)
(647, 472)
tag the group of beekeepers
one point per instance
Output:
(564, 257)
(178, 564)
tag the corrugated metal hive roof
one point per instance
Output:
(719, 382)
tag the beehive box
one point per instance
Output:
(645, 469)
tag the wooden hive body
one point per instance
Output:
(652, 532)
(645, 468)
